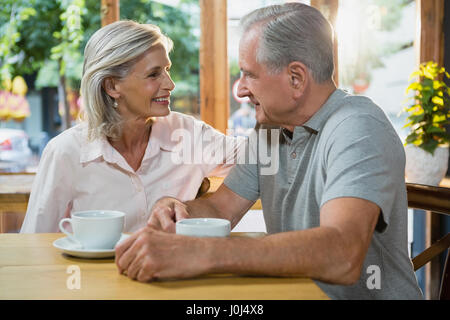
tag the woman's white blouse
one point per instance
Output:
(93, 175)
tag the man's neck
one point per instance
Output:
(313, 100)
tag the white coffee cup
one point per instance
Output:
(203, 227)
(95, 229)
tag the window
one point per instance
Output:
(376, 52)
(242, 115)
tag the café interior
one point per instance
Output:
(31, 268)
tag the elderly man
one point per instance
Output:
(335, 209)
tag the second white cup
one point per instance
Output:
(203, 227)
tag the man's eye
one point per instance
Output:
(153, 75)
(246, 75)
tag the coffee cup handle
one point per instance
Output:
(68, 234)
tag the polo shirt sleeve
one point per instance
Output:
(364, 158)
(243, 180)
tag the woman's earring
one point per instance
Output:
(115, 105)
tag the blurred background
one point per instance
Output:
(41, 58)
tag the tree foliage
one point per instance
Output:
(36, 34)
(12, 19)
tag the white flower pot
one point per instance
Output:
(424, 168)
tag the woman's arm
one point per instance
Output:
(51, 193)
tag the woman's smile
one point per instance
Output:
(165, 100)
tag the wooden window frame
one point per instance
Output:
(214, 70)
(109, 11)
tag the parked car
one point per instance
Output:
(15, 153)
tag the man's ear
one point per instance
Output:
(298, 76)
(110, 86)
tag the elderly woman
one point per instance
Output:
(122, 155)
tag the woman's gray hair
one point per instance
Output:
(112, 51)
(293, 32)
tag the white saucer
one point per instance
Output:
(69, 247)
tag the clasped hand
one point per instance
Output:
(155, 252)
(165, 213)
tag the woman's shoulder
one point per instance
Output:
(70, 140)
(185, 125)
(176, 120)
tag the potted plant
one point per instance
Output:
(427, 144)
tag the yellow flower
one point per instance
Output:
(19, 86)
(437, 100)
(7, 84)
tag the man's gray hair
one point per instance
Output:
(293, 32)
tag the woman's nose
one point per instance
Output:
(169, 84)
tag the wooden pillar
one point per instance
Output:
(430, 46)
(429, 35)
(433, 268)
(329, 9)
(109, 11)
(214, 73)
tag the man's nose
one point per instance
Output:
(242, 90)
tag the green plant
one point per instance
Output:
(430, 112)
(10, 35)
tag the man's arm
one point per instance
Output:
(334, 252)
(223, 203)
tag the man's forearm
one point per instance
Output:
(316, 253)
(223, 203)
(203, 208)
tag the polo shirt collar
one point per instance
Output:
(318, 120)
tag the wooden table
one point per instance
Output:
(31, 268)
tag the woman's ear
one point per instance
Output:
(110, 86)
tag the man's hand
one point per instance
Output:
(224, 204)
(151, 254)
(165, 212)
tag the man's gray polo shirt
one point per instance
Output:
(347, 149)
